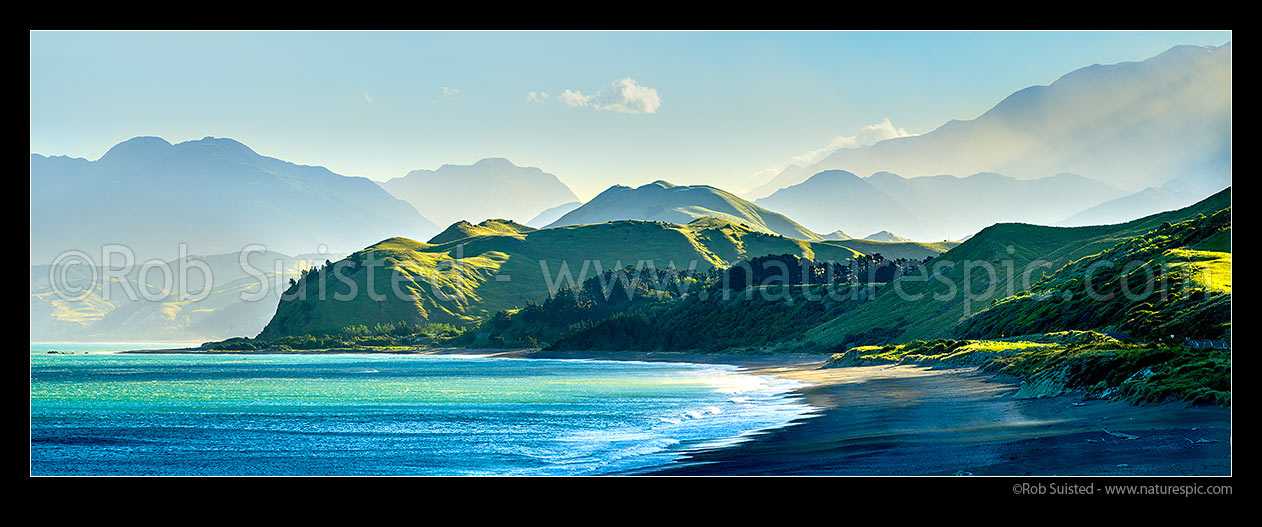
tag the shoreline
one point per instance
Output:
(906, 420)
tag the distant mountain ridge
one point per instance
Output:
(663, 201)
(490, 188)
(1131, 124)
(548, 216)
(934, 207)
(1173, 195)
(885, 236)
(217, 195)
(105, 312)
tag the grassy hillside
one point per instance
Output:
(1059, 362)
(1159, 286)
(753, 304)
(662, 201)
(493, 227)
(998, 260)
(498, 267)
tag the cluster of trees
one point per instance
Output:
(752, 303)
(790, 269)
(349, 337)
(311, 275)
(649, 309)
(612, 292)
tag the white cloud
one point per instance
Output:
(875, 133)
(539, 97)
(450, 92)
(763, 176)
(623, 96)
(867, 136)
(367, 98)
(813, 155)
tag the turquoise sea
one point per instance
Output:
(113, 414)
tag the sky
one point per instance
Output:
(727, 109)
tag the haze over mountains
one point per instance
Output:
(663, 201)
(1132, 125)
(935, 207)
(885, 236)
(553, 214)
(1175, 194)
(216, 195)
(1101, 145)
(135, 307)
(491, 188)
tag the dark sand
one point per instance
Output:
(912, 420)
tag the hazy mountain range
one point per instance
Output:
(1132, 125)
(885, 236)
(216, 195)
(491, 188)
(1175, 194)
(936, 207)
(553, 214)
(135, 307)
(662, 201)
(1101, 145)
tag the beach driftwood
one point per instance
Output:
(1118, 434)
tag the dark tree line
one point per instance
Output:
(789, 269)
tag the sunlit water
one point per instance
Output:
(111, 414)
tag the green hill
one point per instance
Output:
(1174, 281)
(464, 279)
(494, 227)
(662, 201)
(929, 305)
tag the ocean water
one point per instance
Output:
(113, 414)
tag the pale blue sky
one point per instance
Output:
(378, 104)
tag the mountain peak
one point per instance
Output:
(885, 236)
(135, 148)
(494, 161)
(833, 175)
(491, 227)
(222, 147)
(491, 187)
(666, 202)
